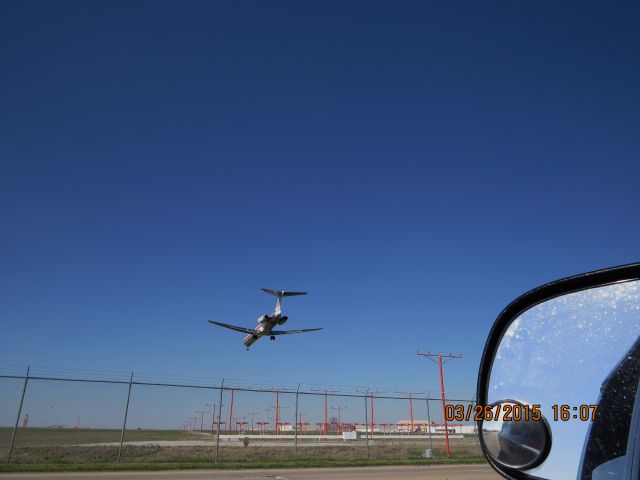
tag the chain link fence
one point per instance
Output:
(96, 417)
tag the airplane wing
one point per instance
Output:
(233, 327)
(287, 332)
(282, 293)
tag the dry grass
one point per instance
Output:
(66, 436)
(51, 446)
(154, 454)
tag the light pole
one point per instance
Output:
(277, 407)
(241, 423)
(370, 393)
(411, 394)
(440, 356)
(231, 410)
(201, 413)
(253, 416)
(299, 419)
(213, 414)
(325, 405)
(339, 417)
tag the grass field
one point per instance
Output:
(67, 436)
(61, 467)
(74, 447)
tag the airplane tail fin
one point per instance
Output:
(282, 293)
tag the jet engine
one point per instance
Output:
(283, 320)
(263, 318)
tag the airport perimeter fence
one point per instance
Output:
(62, 416)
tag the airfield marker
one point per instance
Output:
(262, 426)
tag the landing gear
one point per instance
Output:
(273, 337)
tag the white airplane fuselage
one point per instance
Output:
(266, 323)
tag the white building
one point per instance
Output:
(423, 426)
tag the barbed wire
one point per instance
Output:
(116, 376)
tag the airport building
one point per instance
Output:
(423, 426)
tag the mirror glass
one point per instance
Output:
(559, 354)
(513, 440)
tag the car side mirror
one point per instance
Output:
(559, 373)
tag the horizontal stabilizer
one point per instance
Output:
(282, 293)
(233, 327)
(287, 332)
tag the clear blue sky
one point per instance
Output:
(413, 165)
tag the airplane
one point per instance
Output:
(267, 322)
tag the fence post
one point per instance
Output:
(124, 423)
(366, 423)
(430, 431)
(219, 413)
(15, 428)
(295, 424)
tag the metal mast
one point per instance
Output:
(440, 361)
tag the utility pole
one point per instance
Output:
(440, 361)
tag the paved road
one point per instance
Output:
(432, 472)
